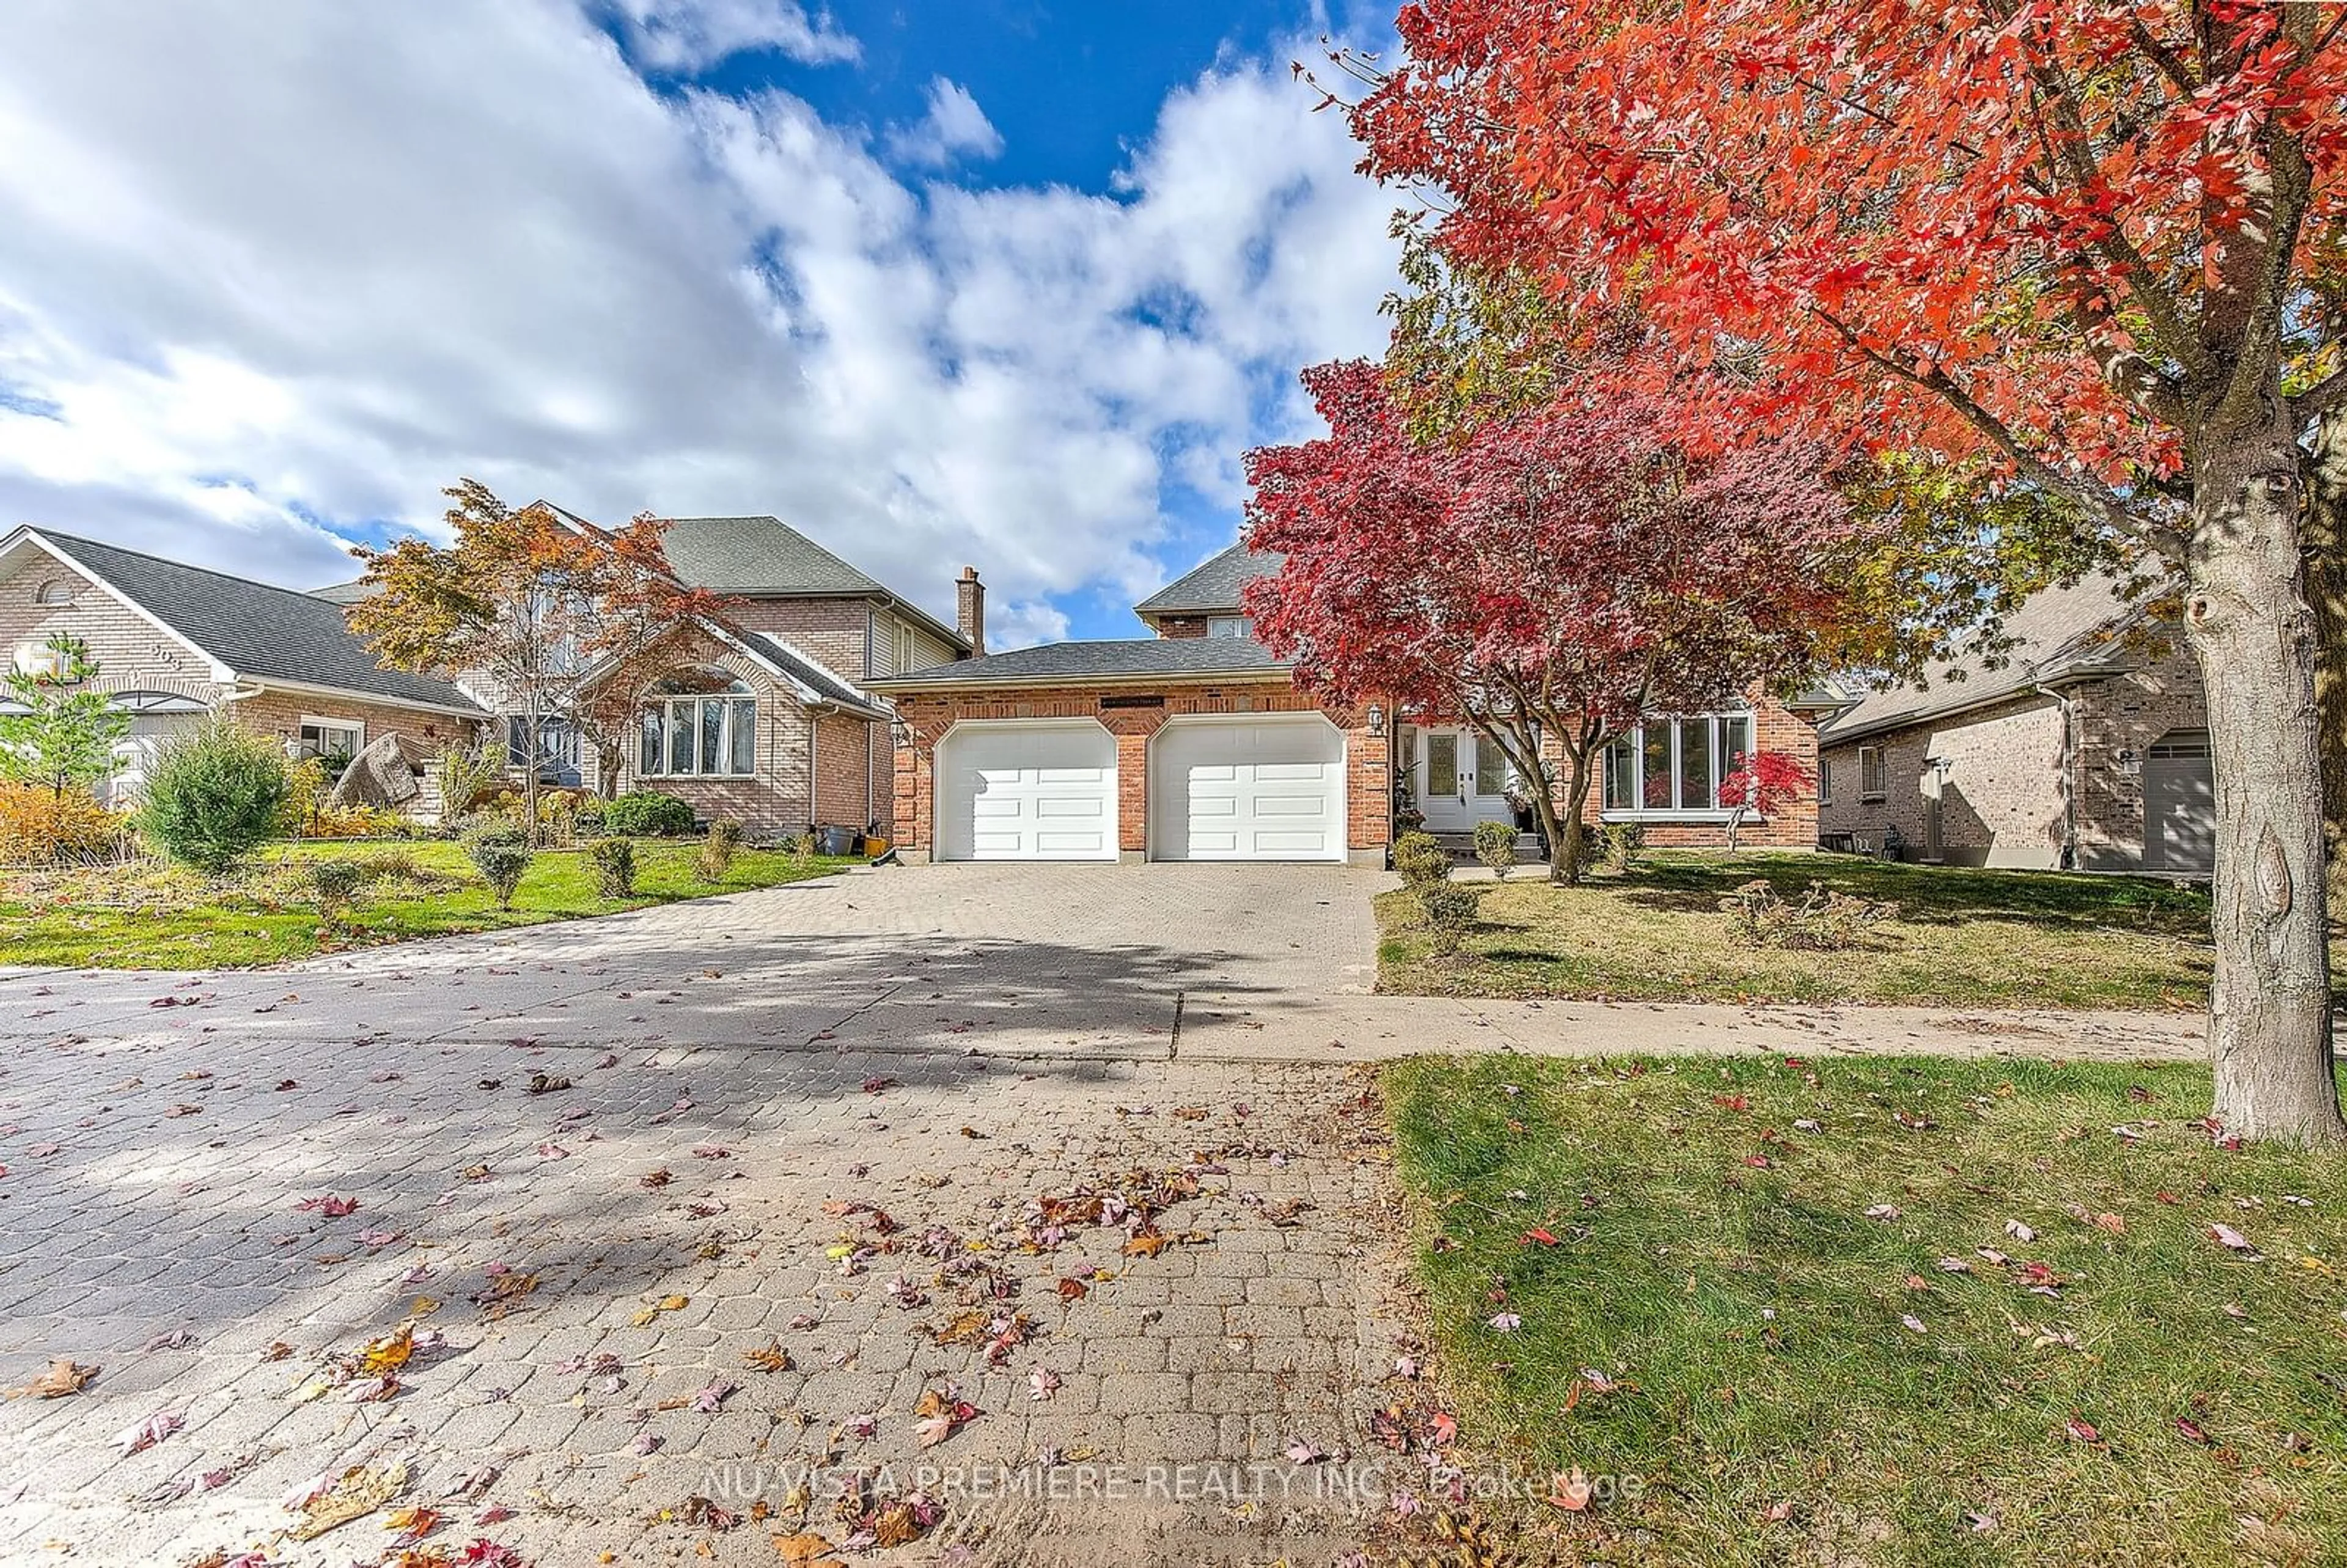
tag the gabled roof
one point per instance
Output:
(810, 675)
(765, 558)
(256, 632)
(1134, 659)
(1212, 585)
(349, 592)
(2059, 634)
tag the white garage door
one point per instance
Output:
(2180, 803)
(1261, 788)
(1020, 791)
(138, 752)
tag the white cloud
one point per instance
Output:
(276, 271)
(690, 36)
(954, 127)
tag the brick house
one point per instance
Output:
(771, 721)
(2085, 747)
(174, 643)
(1194, 743)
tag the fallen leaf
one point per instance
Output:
(332, 1207)
(768, 1358)
(1541, 1235)
(64, 1376)
(1570, 1492)
(147, 1433)
(666, 1304)
(412, 1524)
(2231, 1238)
(1042, 1383)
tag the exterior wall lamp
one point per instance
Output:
(1377, 720)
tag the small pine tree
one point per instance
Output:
(214, 795)
(65, 740)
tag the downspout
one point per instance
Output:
(2069, 775)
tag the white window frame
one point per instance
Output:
(57, 593)
(1634, 739)
(1825, 781)
(355, 727)
(734, 708)
(1238, 626)
(900, 646)
(1873, 793)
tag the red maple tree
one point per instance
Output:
(2097, 242)
(1761, 785)
(1549, 576)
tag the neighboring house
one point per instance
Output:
(173, 642)
(1195, 744)
(2085, 747)
(771, 722)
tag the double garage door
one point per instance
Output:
(1255, 788)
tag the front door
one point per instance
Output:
(1462, 779)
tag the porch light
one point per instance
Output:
(1377, 720)
(900, 732)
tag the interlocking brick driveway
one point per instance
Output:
(156, 1156)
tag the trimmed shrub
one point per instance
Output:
(1619, 842)
(1495, 847)
(1450, 909)
(336, 883)
(214, 795)
(615, 867)
(1421, 861)
(38, 827)
(714, 855)
(1819, 922)
(500, 853)
(647, 814)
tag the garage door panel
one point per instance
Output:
(1248, 789)
(1027, 791)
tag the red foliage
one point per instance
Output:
(2033, 229)
(1567, 565)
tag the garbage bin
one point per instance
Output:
(835, 841)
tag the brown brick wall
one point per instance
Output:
(1180, 626)
(829, 631)
(278, 714)
(2000, 802)
(929, 716)
(2117, 719)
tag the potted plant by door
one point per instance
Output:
(1407, 818)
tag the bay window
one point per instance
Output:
(1673, 766)
(702, 726)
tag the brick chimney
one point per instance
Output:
(969, 610)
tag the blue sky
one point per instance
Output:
(1000, 282)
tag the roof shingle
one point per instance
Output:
(1213, 584)
(2057, 632)
(259, 632)
(1124, 659)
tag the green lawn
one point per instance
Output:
(1791, 1381)
(1963, 938)
(149, 915)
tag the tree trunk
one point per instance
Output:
(1568, 854)
(2251, 631)
(2326, 593)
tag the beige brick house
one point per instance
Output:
(2085, 747)
(772, 720)
(1195, 744)
(174, 643)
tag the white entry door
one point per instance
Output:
(1021, 790)
(1462, 779)
(1260, 787)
